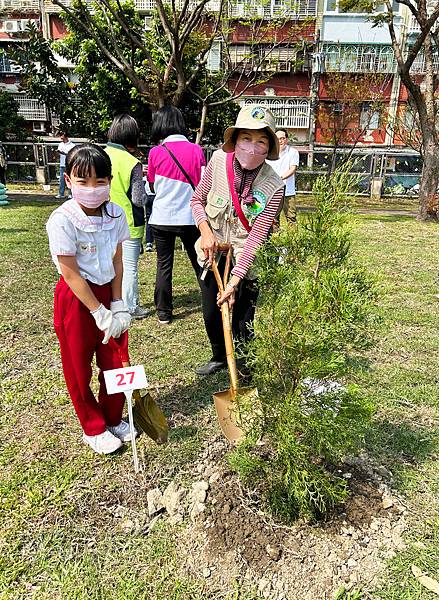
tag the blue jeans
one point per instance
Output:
(130, 281)
(62, 183)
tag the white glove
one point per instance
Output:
(120, 313)
(106, 323)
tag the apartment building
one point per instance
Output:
(313, 40)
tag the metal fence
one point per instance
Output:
(399, 171)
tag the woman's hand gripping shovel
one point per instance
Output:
(227, 401)
(145, 413)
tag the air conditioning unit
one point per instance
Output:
(11, 26)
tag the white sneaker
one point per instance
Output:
(104, 443)
(122, 431)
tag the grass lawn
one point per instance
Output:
(59, 538)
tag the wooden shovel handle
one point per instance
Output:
(228, 338)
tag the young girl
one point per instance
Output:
(85, 238)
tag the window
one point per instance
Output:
(369, 117)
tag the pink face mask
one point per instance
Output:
(250, 155)
(91, 197)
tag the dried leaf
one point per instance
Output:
(427, 582)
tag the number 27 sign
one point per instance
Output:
(126, 379)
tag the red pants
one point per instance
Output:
(79, 340)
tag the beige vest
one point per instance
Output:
(219, 207)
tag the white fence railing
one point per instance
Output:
(289, 112)
(418, 65)
(19, 5)
(267, 9)
(347, 58)
(30, 109)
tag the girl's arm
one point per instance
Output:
(78, 285)
(116, 284)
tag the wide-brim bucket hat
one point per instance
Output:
(254, 116)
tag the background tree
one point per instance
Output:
(120, 63)
(352, 102)
(11, 124)
(421, 89)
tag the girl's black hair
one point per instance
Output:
(168, 120)
(124, 130)
(84, 159)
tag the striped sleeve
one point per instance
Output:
(258, 235)
(199, 198)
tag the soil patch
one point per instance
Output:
(232, 539)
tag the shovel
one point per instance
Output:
(227, 401)
(147, 414)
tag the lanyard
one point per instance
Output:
(235, 199)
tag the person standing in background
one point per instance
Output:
(128, 191)
(286, 166)
(3, 165)
(174, 170)
(63, 148)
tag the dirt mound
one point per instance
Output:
(232, 539)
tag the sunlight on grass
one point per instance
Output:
(59, 538)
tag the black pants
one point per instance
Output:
(149, 238)
(164, 238)
(243, 312)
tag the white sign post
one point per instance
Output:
(126, 380)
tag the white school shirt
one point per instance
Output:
(92, 240)
(64, 147)
(288, 158)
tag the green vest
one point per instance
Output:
(122, 163)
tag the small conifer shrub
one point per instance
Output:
(315, 315)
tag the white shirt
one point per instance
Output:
(287, 159)
(173, 193)
(64, 147)
(92, 240)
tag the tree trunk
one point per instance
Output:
(428, 195)
(202, 124)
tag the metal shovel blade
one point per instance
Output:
(226, 406)
(149, 417)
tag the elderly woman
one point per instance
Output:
(236, 202)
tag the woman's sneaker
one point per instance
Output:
(122, 431)
(104, 443)
(140, 312)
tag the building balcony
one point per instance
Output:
(358, 58)
(19, 6)
(30, 109)
(54, 8)
(292, 113)
(247, 58)
(418, 66)
(273, 9)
